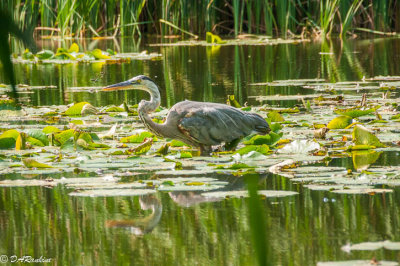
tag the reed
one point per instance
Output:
(95, 17)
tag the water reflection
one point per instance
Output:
(304, 229)
(210, 73)
(141, 226)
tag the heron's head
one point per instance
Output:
(140, 82)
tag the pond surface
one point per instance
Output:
(187, 227)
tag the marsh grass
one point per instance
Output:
(91, 18)
(10, 27)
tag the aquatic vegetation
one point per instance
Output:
(286, 18)
(106, 146)
(73, 54)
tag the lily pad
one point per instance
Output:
(361, 136)
(340, 122)
(244, 193)
(80, 109)
(112, 192)
(138, 138)
(31, 163)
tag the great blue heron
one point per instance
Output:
(199, 124)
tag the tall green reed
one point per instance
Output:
(95, 17)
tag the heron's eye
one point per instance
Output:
(139, 81)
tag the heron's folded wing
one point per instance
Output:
(213, 125)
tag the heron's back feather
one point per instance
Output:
(213, 123)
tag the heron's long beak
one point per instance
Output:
(119, 86)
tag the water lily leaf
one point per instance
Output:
(177, 143)
(101, 146)
(88, 109)
(20, 142)
(370, 191)
(99, 54)
(63, 136)
(86, 137)
(138, 138)
(275, 127)
(8, 139)
(233, 102)
(84, 144)
(36, 136)
(213, 38)
(74, 48)
(244, 193)
(387, 244)
(395, 117)
(263, 149)
(112, 192)
(27, 55)
(194, 183)
(51, 129)
(239, 166)
(360, 147)
(185, 154)
(75, 109)
(163, 150)
(354, 112)
(45, 54)
(31, 163)
(144, 147)
(275, 116)
(356, 263)
(361, 136)
(269, 139)
(63, 53)
(69, 145)
(111, 52)
(115, 109)
(340, 122)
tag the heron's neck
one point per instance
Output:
(155, 99)
(147, 107)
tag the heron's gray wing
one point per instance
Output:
(211, 124)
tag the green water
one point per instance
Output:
(209, 73)
(185, 228)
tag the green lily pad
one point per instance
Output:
(45, 54)
(177, 143)
(31, 163)
(138, 138)
(213, 38)
(269, 139)
(36, 135)
(112, 192)
(244, 193)
(74, 48)
(340, 122)
(361, 136)
(263, 149)
(51, 129)
(355, 112)
(275, 116)
(8, 139)
(63, 136)
(80, 109)
(99, 54)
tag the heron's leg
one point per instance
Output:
(230, 146)
(205, 150)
